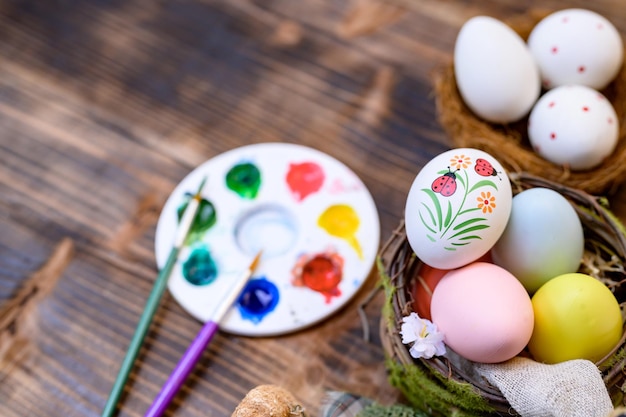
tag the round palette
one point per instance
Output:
(311, 216)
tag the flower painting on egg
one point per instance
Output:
(457, 207)
(440, 218)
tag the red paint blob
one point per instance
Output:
(322, 274)
(304, 179)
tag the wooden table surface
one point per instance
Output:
(106, 105)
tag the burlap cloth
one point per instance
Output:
(568, 389)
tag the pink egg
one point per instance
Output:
(484, 312)
(425, 283)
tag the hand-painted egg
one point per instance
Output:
(573, 125)
(576, 46)
(543, 238)
(457, 208)
(576, 317)
(484, 312)
(494, 70)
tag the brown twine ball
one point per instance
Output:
(509, 142)
(269, 401)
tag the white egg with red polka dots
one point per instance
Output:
(576, 46)
(574, 126)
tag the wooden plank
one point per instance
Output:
(106, 106)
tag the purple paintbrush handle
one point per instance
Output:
(182, 370)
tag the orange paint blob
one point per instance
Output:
(342, 221)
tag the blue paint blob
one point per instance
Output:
(259, 298)
(200, 268)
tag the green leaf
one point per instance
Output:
(424, 222)
(469, 229)
(462, 180)
(433, 197)
(430, 213)
(468, 211)
(471, 237)
(468, 222)
(432, 239)
(483, 183)
(448, 215)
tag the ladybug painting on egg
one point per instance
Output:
(445, 184)
(485, 169)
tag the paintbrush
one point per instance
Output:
(199, 344)
(152, 303)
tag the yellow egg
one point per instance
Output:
(576, 317)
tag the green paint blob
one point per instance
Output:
(206, 217)
(244, 179)
(200, 268)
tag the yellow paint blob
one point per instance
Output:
(342, 221)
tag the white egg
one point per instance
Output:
(573, 125)
(576, 46)
(495, 72)
(457, 208)
(542, 240)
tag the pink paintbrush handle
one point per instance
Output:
(183, 369)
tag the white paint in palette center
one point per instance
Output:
(270, 228)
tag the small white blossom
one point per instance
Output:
(423, 334)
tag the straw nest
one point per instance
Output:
(509, 142)
(446, 387)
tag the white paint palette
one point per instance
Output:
(312, 217)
